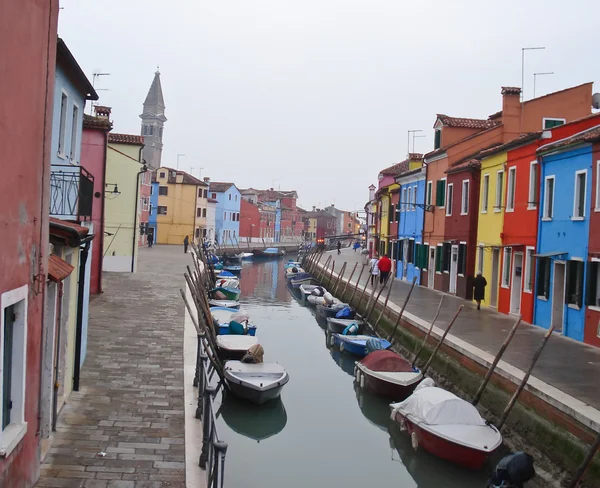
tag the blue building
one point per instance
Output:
(563, 236)
(152, 213)
(411, 253)
(227, 218)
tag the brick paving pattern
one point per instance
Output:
(130, 405)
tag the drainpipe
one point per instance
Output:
(101, 233)
(135, 214)
(79, 327)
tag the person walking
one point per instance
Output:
(186, 243)
(356, 245)
(385, 266)
(374, 268)
(339, 247)
(479, 284)
(150, 240)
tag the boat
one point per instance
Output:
(222, 316)
(446, 426)
(224, 303)
(234, 346)
(228, 274)
(246, 256)
(301, 279)
(229, 293)
(233, 269)
(337, 326)
(330, 310)
(387, 374)
(223, 329)
(231, 259)
(269, 253)
(293, 271)
(306, 290)
(257, 383)
(253, 421)
(292, 264)
(314, 300)
(356, 344)
(227, 282)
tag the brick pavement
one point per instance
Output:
(131, 401)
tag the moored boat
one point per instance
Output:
(301, 279)
(446, 426)
(306, 290)
(269, 253)
(228, 293)
(257, 383)
(228, 282)
(338, 326)
(246, 256)
(356, 344)
(233, 269)
(224, 303)
(290, 273)
(387, 374)
(234, 346)
(224, 329)
(330, 310)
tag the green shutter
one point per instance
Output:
(401, 250)
(440, 193)
(417, 255)
(438, 139)
(438, 259)
(424, 256)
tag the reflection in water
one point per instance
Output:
(344, 361)
(375, 408)
(264, 282)
(258, 422)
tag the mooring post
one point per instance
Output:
(348, 282)
(428, 332)
(220, 450)
(201, 385)
(364, 290)
(496, 361)
(206, 427)
(331, 272)
(519, 389)
(371, 296)
(387, 297)
(357, 282)
(439, 344)
(324, 269)
(580, 473)
(402, 310)
(340, 273)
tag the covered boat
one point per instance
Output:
(234, 346)
(228, 282)
(330, 310)
(446, 426)
(338, 326)
(357, 344)
(301, 279)
(293, 271)
(388, 374)
(307, 290)
(224, 303)
(228, 293)
(233, 269)
(257, 383)
(292, 264)
(223, 316)
(270, 252)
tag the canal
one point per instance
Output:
(324, 432)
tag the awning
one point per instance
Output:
(58, 269)
(550, 254)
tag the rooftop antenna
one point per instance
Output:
(523, 49)
(94, 77)
(539, 74)
(411, 131)
(416, 137)
(178, 156)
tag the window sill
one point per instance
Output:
(506, 287)
(577, 219)
(597, 209)
(497, 210)
(467, 213)
(531, 207)
(528, 291)
(573, 307)
(10, 438)
(594, 308)
(510, 210)
(438, 272)
(446, 272)
(546, 219)
(460, 275)
(543, 298)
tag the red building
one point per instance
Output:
(249, 221)
(592, 312)
(94, 141)
(28, 39)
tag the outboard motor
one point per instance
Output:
(317, 291)
(328, 298)
(512, 471)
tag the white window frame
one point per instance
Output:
(74, 125)
(511, 189)
(506, 269)
(499, 197)
(62, 125)
(414, 198)
(529, 261)
(403, 205)
(449, 200)
(16, 430)
(429, 194)
(545, 216)
(544, 119)
(151, 190)
(150, 207)
(408, 198)
(165, 207)
(480, 257)
(464, 197)
(485, 193)
(534, 168)
(576, 195)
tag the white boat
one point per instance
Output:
(224, 303)
(291, 272)
(313, 300)
(307, 289)
(245, 255)
(234, 346)
(257, 383)
(227, 283)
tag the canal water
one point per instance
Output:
(324, 432)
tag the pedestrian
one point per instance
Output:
(356, 245)
(479, 284)
(339, 247)
(374, 268)
(150, 240)
(385, 266)
(186, 243)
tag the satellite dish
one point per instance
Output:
(596, 100)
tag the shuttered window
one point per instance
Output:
(543, 278)
(417, 255)
(574, 295)
(401, 250)
(411, 251)
(424, 256)
(446, 257)
(462, 259)
(438, 139)
(440, 193)
(439, 258)
(593, 284)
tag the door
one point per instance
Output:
(495, 274)
(453, 268)
(431, 269)
(516, 286)
(558, 296)
(405, 259)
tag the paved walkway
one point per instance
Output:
(571, 367)
(131, 402)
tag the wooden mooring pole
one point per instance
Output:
(375, 302)
(403, 307)
(364, 290)
(496, 361)
(387, 297)
(351, 276)
(580, 473)
(439, 344)
(339, 276)
(357, 282)
(331, 271)
(518, 391)
(428, 332)
(321, 272)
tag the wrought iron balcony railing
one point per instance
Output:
(71, 192)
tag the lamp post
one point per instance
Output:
(539, 74)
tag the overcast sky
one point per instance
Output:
(318, 95)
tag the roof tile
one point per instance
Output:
(125, 139)
(465, 123)
(58, 269)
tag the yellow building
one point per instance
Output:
(312, 228)
(182, 206)
(121, 205)
(490, 223)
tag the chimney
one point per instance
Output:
(314, 208)
(371, 192)
(179, 177)
(511, 112)
(102, 111)
(206, 179)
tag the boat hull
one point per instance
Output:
(230, 293)
(336, 328)
(233, 269)
(230, 354)
(224, 303)
(387, 389)
(254, 396)
(309, 280)
(443, 448)
(223, 329)
(327, 311)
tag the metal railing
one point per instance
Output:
(212, 456)
(71, 192)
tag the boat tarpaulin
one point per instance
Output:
(436, 406)
(386, 361)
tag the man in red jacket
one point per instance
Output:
(385, 266)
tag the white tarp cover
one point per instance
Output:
(435, 406)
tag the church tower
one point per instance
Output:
(153, 121)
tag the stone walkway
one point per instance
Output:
(131, 402)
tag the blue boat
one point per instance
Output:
(223, 329)
(222, 317)
(356, 344)
(227, 274)
(233, 269)
(292, 264)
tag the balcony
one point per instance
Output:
(71, 192)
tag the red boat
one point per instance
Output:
(446, 426)
(387, 374)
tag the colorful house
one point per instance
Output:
(227, 221)
(591, 334)
(153, 209)
(124, 169)
(371, 212)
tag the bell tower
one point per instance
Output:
(153, 121)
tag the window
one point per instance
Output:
(438, 139)
(579, 195)
(429, 193)
(204, 233)
(548, 198)
(533, 185)
(203, 212)
(163, 190)
(506, 261)
(510, 190)
(446, 257)
(230, 196)
(74, 126)
(485, 191)
(160, 132)
(162, 210)
(198, 212)
(197, 232)
(13, 348)
(162, 174)
(391, 213)
(424, 256)
(150, 209)
(575, 283)
(438, 258)
(62, 129)
(462, 259)
(543, 278)
(236, 198)
(199, 192)
(548, 123)
(499, 188)
(464, 202)
(449, 199)
(397, 213)
(403, 199)
(214, 196)
(329, 224)
(408, 198)
(411, 251)
(151, 190)
(480, 259)
(414, 198)
(593, 284)
(529, 261)
(440, 193)
(205, 194)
